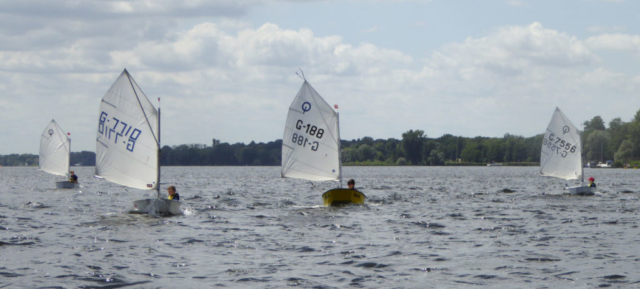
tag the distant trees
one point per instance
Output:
(619, 141)
(412, 146)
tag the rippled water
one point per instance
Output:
(244, 227)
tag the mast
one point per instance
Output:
(158, 178)
(69, 166)
(339, 148)
(582, 162)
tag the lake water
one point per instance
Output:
(245, 227)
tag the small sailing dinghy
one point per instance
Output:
(311, 145)
(561, 154)
(55, 154)
(128, 144)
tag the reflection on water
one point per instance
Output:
(244, 227)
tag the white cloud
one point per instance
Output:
(617, 41)
(371, 30)
(228, 79)
(601, 29)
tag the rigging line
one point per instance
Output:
(302, 72)
(141, 108)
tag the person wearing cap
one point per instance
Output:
(351, 183)
(72, 177)
(591, 182)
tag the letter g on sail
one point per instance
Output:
(565, 129)
(306, 106)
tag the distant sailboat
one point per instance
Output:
(311, 145)
(128, 143)
(55, 153)
(561, 154)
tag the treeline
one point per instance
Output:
(618, 142)
(83, 158)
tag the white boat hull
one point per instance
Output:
(66, 185)
(581, 190)
(157, 206)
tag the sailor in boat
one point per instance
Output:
(351, 183)
(591, 182)
(72, 177)
(173, 195)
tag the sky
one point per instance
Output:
(227, 69)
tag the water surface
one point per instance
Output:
(245, 227)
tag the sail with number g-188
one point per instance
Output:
(311, 144)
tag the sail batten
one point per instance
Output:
(561, 153)
(310, 146)
(54, 150)
(126, 143)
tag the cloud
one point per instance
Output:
(231, 80)
(601, 29)
(371, 30)
(617, 41)
(512, 50)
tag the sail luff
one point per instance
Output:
(339, 149)
(140, 103)
(159, 153)
(69, 160)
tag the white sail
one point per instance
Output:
(127, 144)
(311, 142)
(54, 150)
(561, 154)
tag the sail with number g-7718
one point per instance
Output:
(311, 144)
(561, 153)
(128, 142)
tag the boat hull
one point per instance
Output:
(157, 206)
(66, 185)
(343, 196)
(581, 190)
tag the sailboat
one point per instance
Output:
(55, 153)
(561, 153)
(128, 143)
(311, 145)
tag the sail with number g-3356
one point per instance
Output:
(127, 146)
(561, 154)
(55, 147)
(311, 142)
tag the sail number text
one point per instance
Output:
(309, 129)
(559, 145)
(121, 130)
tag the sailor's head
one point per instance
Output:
(591, 180)
(351, 183)
(72, 172)
(171, 190)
